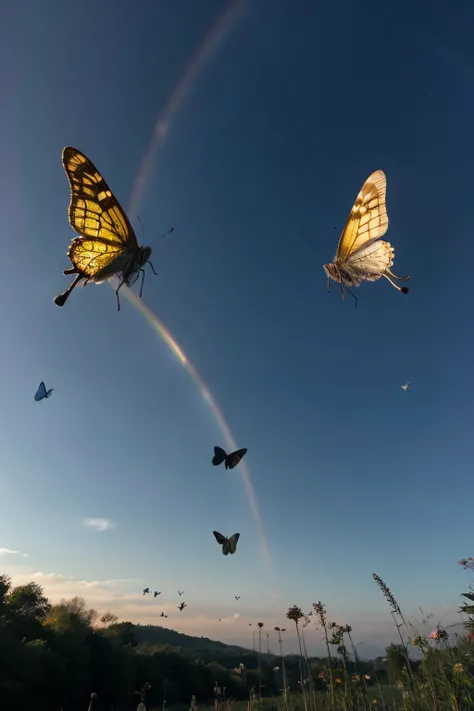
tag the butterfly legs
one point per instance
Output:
(344, 288)
(143, 277)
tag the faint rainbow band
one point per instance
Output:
(214, 37)
(230, 442)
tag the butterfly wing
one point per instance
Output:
(233, 459)
(219, 456)
(368, 218)
(233, 542)
(41, 392)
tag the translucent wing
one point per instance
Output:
(219, 456)
(94, 211)
(368, 218)
(219, 538)
(233, 542)
(233, 459)
(41, 392)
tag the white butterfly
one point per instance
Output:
(360, 253)
(407, 384)
(229, 545)
(41, 393)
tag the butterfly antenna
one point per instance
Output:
(163, 235)
(141, 225)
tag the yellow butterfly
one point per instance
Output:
(107, 246)
(360, 253)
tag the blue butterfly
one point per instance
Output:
(42, 392)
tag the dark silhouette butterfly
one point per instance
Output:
(229, 545)
(231, 460)
(42, 393)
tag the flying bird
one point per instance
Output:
(407, 385)
(231, 460)
(155, 594)
(42, 393)
(107, 245)
(237, 597)
(229, 545)
(163, 615)
(360, 254)
(146, 590)
(182, 606)
(180, 592)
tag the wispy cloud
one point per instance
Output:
(10, 551)
(98, 524)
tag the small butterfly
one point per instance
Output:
(180, 593)
(407, 385)
(146, 590)
(42, 392)
(163, 615)
(229, 545)
(182, 606)
(360, 253)
(156, 593)
(107, 245)
(231, 460)
(237, 597)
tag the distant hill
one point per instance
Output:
(153, 634)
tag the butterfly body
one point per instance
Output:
(231, 460)
(229, 545)
(42, 393)
(361, 255)
(107, 245)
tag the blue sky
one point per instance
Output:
(293, 109)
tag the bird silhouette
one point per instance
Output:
(182, 606)
(156, 593)
(146, 590)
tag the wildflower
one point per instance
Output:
(387, 593)
(367, 677)
(374, 701)
(458, 668)
(337, 680)
(355, 677)
(295, 613)
(434, 635)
